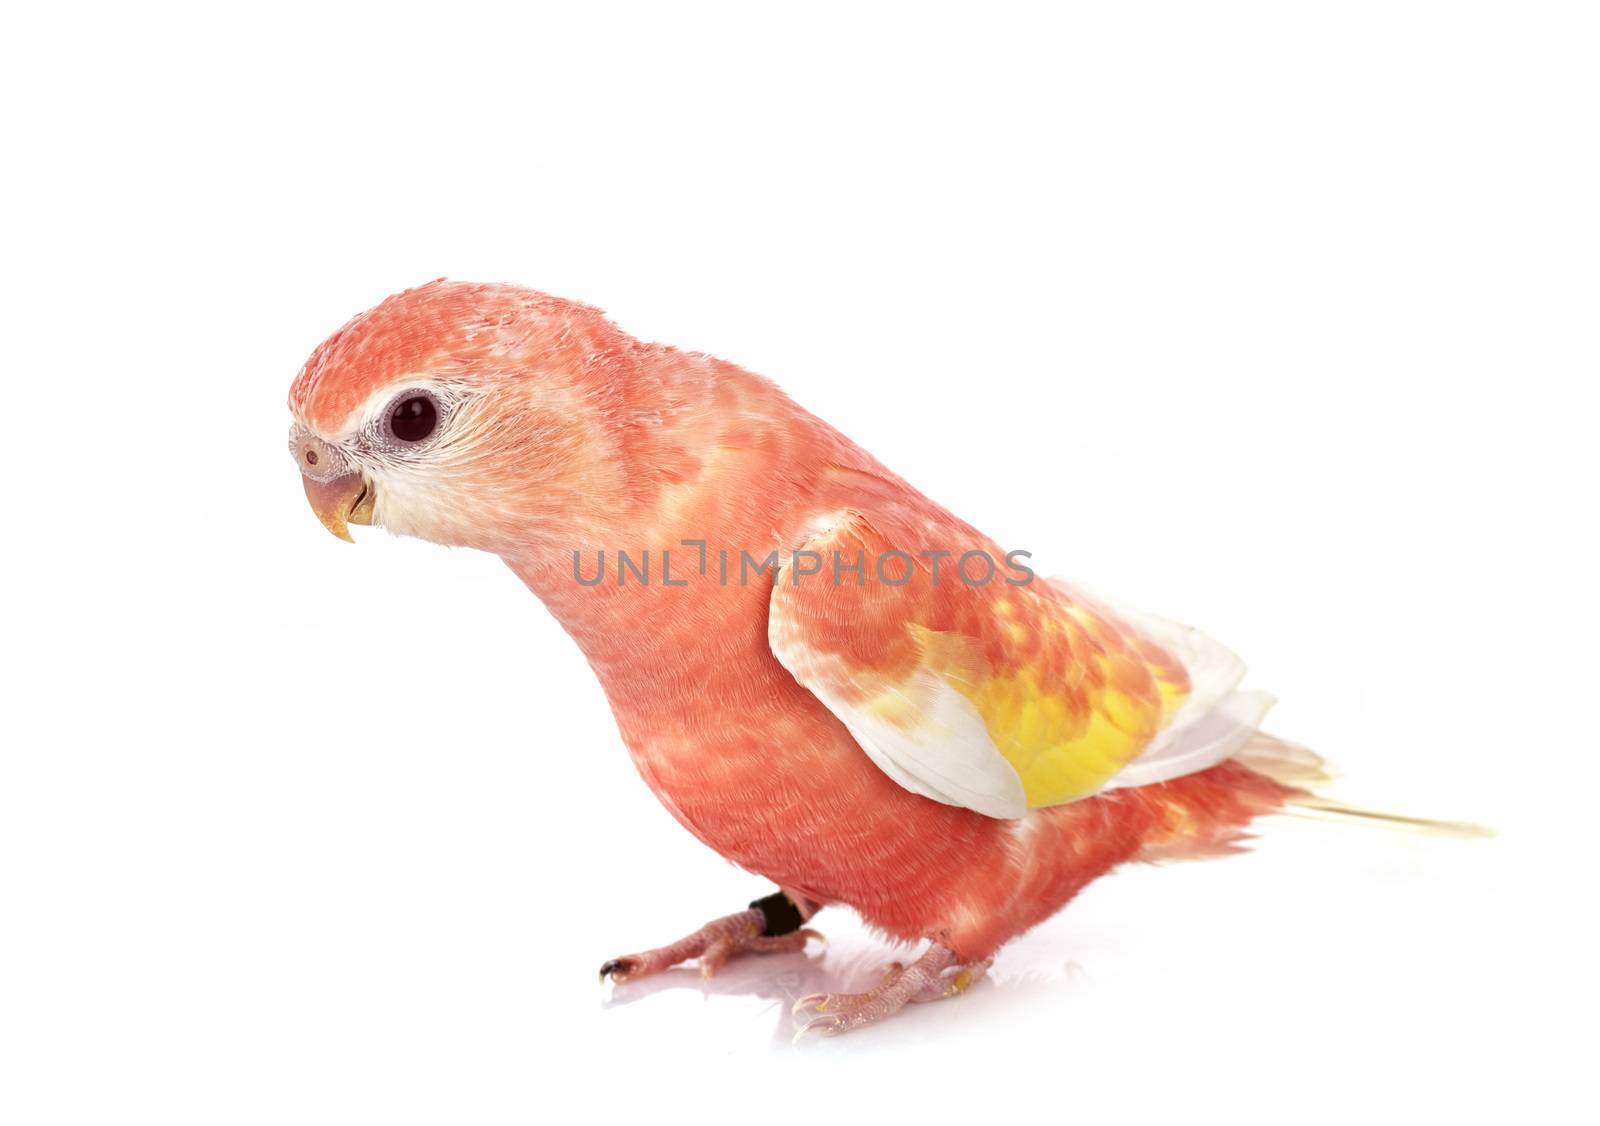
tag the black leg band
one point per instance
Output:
(780, 913)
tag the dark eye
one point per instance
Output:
(413, 418)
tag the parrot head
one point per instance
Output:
(464, 414)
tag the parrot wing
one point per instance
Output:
(1213, 722)
(1000, 695)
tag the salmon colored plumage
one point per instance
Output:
(746, 704)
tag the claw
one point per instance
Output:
(616, 968)
(811, 1014)
(823, 1026)
(827, 1024)
(819, 1001)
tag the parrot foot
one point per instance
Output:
(932, 977)
(713, 944)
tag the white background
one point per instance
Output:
(1276, 318)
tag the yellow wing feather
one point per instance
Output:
(1057, 687)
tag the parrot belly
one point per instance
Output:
(778, 786)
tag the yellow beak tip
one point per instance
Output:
(339, 500)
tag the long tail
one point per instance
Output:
(1301, 771)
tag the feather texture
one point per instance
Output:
(996, 696)
(799, 729)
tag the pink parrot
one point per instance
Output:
(825, 676)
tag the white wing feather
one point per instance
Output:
(1201, 743)
(948, 756)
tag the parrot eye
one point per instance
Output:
(413, 418)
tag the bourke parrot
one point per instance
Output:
(825, 676)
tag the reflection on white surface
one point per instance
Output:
(1031, 981)
(853, 963)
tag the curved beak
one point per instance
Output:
(339, 502)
